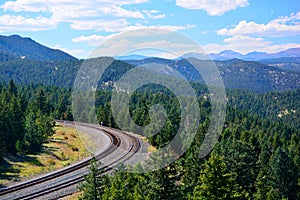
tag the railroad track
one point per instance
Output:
(72, 175)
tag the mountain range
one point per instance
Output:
(229, 54)
(26, 61)
(236, 73)
(26, 48)
(255, 56)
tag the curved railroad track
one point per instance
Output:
(64, 181)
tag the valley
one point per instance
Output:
(255, 154)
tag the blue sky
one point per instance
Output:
(78, 27)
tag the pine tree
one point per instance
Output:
(275, 194)
(241, 160)
(38, 128)
(261, 184)
(32, 140)
(94, 184)
(120, 185)
(216, 181)
(12, 89)
(2, 143)
(15, 122)
(41, 102)
(60, 108)
(283, 175)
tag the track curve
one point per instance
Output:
(122, 147)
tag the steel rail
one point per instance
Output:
(115, 143)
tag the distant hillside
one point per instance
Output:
(25, 61)
(26, 48)
(225, 55)
(59, 73)
(291, 64)
(252, 56)
(236, 73)
(131, 57)
(257, 76)
(282, 60)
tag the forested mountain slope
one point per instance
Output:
(236, 73)
(26, 48)
(26, 61)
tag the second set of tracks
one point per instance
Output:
(121, 148)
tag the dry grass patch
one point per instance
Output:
(64, 148)
(151, 149)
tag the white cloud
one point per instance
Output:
(25, 5)
(120, 12)
(93, 40)
(86, 11)
(280, 27)
(157, 40)
(100, 25)
(126, 2)
(166, 27)
(98, 15)
(44, 6)
(246, 44)
(69, 9)
(158, 16)
(96, 40)
(251, 36)
(212, 7)
(154, 14)
(20, 23)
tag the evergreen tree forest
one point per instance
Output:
(26, 116)
(257, 156)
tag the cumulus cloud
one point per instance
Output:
(251, 36)
(152, 41)
(13, 23)
(280, 27)
(171, 28)
(95, 40)
(83, 14)
(25, 5)
(92, 40)
(100, 25)
(44, 6)
(120, 12)
(212, 7)
(68, 9)
(154, 14)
